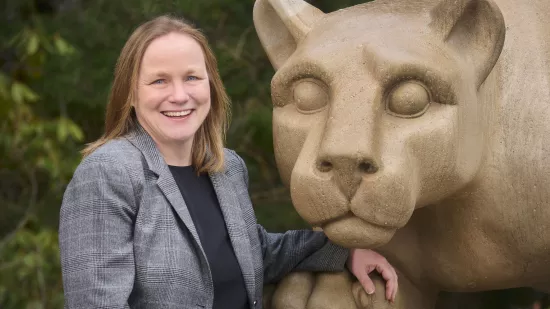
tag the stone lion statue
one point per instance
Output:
(420, 128)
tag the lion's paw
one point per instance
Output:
(302, 290)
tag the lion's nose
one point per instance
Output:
(347, 172)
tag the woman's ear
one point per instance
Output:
(282, 24)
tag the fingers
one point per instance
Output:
(293, 291)
(396, 285)
(394, 294)
(390, 291)
(374, 301)
(388, 273)
(366, 282)
(363, 261)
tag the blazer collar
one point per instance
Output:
(143, 141)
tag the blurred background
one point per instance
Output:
(56, 64)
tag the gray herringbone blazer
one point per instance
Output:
(127, 239)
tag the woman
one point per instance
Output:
(157, 214)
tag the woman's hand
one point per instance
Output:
(362, 262)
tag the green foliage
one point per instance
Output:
(39, 155)
(29, 275)
(27, 137)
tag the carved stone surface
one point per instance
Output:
(420, 128)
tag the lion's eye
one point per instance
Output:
(310, 96)
(408, 99)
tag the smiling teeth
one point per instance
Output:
(177, 114)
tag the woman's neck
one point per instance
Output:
(176, 154)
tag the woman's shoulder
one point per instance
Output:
(232, 159)
(235, 165)
(116, 153)
(104, 174)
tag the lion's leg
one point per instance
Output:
(342, 291)
(301, 290)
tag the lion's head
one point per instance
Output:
(376, 107)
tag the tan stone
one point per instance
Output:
(420, 128)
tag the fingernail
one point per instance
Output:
(370, 292)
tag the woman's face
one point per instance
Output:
(173, 90)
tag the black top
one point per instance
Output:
(203, 205)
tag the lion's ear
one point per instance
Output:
(474, 28)
(282, 24)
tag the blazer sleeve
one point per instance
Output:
(297, 250)
(96, 235)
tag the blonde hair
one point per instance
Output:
(208, 144)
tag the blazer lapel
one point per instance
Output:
(236, 228)
(170, 189)
(143, 141)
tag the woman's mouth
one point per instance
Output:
(178, 114)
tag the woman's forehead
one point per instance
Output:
(173, 50)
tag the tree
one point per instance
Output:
(38, 158)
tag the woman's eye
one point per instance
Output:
(158, 82)
(408, 99)
(192, 78)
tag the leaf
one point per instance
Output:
(63, 48)
(66, 128)
(21, 93)
(62, 130)
(29, 261)
(17, 93)
(76, 132)
(32, 45)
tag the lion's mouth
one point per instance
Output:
(350, 215)
(353, 232)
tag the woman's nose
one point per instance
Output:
(179, 94)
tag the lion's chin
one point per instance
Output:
(352, 232)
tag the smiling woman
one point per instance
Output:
(158, 214)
